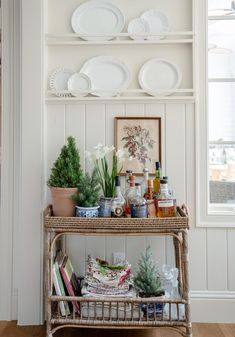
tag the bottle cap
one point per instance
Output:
(163, 181)
(145, 170)
(165, 178)
(137, 184)
(158, 165)
(117, 181)
(129, 172)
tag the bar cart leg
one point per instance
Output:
(185, 262)
(178, 253)
(48, 283)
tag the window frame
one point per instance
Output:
(205, 218)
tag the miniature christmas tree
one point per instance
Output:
(88, 190)
(66, 171)
(147, 281)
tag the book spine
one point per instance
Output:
(69, 288)
(58, 292)
(61, 285)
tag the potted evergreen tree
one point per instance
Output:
(64, 178)
(88, 197)
(147, 283)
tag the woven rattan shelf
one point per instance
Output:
(121, 312)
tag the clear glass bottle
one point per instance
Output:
(130, 193)
(138, 204)
(156, 182)
(144, 183)
(118, 203)
(165, 203)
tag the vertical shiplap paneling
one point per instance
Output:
(231, 255)
(134, 110)
(55, 134)
(197, 259)
(135, 245)
(113, 243)
(217, 259)
(75, 126)
(175, 159)
(158, 243)
(95, 133)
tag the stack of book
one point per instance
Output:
(65, 283)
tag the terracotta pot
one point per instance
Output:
(62, 203)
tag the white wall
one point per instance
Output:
(211, 250)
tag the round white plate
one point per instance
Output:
(157, 21)
(58, 81)
(138, 26)
(108, 75)
(159, 77)
(79, 82)
(97, 17)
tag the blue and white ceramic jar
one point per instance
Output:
(87, 212)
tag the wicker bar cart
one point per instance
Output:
(119, 312)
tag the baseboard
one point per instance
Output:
(213, 306)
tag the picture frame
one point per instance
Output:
(140, 138)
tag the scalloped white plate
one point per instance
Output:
(108, 75)
(58, 81)
(97, 17)
(159, 77)
(157, 21)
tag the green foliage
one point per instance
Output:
(88, 188)
(147, 280)
(106, 179)
(66, 171)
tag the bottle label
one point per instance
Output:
(165, 203)
(139, 211)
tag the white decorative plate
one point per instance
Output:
(79, 82)
(159, 77)
(157, 21)
(97, 17)
(108, 75)
(58, 81)
(138, 26)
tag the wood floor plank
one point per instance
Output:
(10, 329)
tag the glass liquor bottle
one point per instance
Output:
(130, 192)
(144, 183)
(156, 182)
(165, 203)
(150, 200)
(118, 202)
(138, 204)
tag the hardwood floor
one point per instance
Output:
(10, 329)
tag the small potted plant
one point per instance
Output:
(147, 283)
(64, 178)
(107, 163)
(88, 197)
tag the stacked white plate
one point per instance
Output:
(152, 21)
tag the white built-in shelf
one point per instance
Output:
(120, 39)
(130, 94)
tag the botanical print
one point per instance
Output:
(140, 139)
(137, 141)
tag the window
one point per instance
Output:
(216, 113)
(221, 103)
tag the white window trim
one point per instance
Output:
(204, 219)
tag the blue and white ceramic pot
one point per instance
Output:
(87, 212)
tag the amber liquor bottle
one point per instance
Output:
(165, 203)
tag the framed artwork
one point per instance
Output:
(140, 138)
